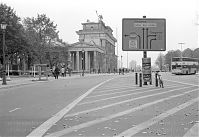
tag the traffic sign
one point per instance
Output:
(143, 34)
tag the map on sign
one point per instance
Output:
(143, 34)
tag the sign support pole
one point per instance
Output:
(144, 56)
(144, 52)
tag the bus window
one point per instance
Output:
(176, 59)
(173, 67)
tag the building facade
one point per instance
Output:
(95, 51)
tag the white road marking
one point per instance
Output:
(43, 128)
(118, 103)
(111, 93)
(99, 120)
(134, 130)
(113, 89)
(121, 92)
(182, 83)
(89, 102)
(14, 109)
(193, 132)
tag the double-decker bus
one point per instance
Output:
(184, 65)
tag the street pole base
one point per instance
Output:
(8, 78)
(145, 83)
(4, 83)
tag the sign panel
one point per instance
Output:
(146, 69)
(143, 34)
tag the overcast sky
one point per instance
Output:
(180, 15)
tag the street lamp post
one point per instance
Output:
(121, 61)
(181, 43)
(3, 27)
(127, 60)
(83, 62)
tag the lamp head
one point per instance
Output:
(3, 25)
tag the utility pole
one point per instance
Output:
(117, 51)
(127, 60)
(144, 52)
(121, 61)
(181, 43)
(3, 27)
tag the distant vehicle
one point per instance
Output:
(184, 65)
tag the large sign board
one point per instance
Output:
(143, 34)
(146, 69)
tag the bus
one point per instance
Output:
(184, 65)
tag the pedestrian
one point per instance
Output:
(69, 71)
(53, 70)
(122, 71)
(160, 81)
(56, 72)
(119, 71)
(98, 70)
(109, 70)
(63, 71)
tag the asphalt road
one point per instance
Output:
(109, 105)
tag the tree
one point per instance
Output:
(176, 53)
(168, 58)
(187, 53)
(196, 53)
(160, 61)
(14, 38)
(40, 31)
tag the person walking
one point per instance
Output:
(63, 71)
(160, 81)
(120, 71)
(69, 71)
(53, 70)
(56, 72)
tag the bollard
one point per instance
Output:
(140, 79)
(136, 78)
(156, 79)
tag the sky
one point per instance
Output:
(181, 19)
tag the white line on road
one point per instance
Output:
(121, 102)
(99, 120)
(113, 89)
(111, 93)
(43, 128)
(182, 83)
(193, 132)
(122, 92)
(134, 130)
(89, 102)
(14, 109)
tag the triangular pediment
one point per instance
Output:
(83, 44)
(79, 45)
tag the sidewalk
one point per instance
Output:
(19, 81)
